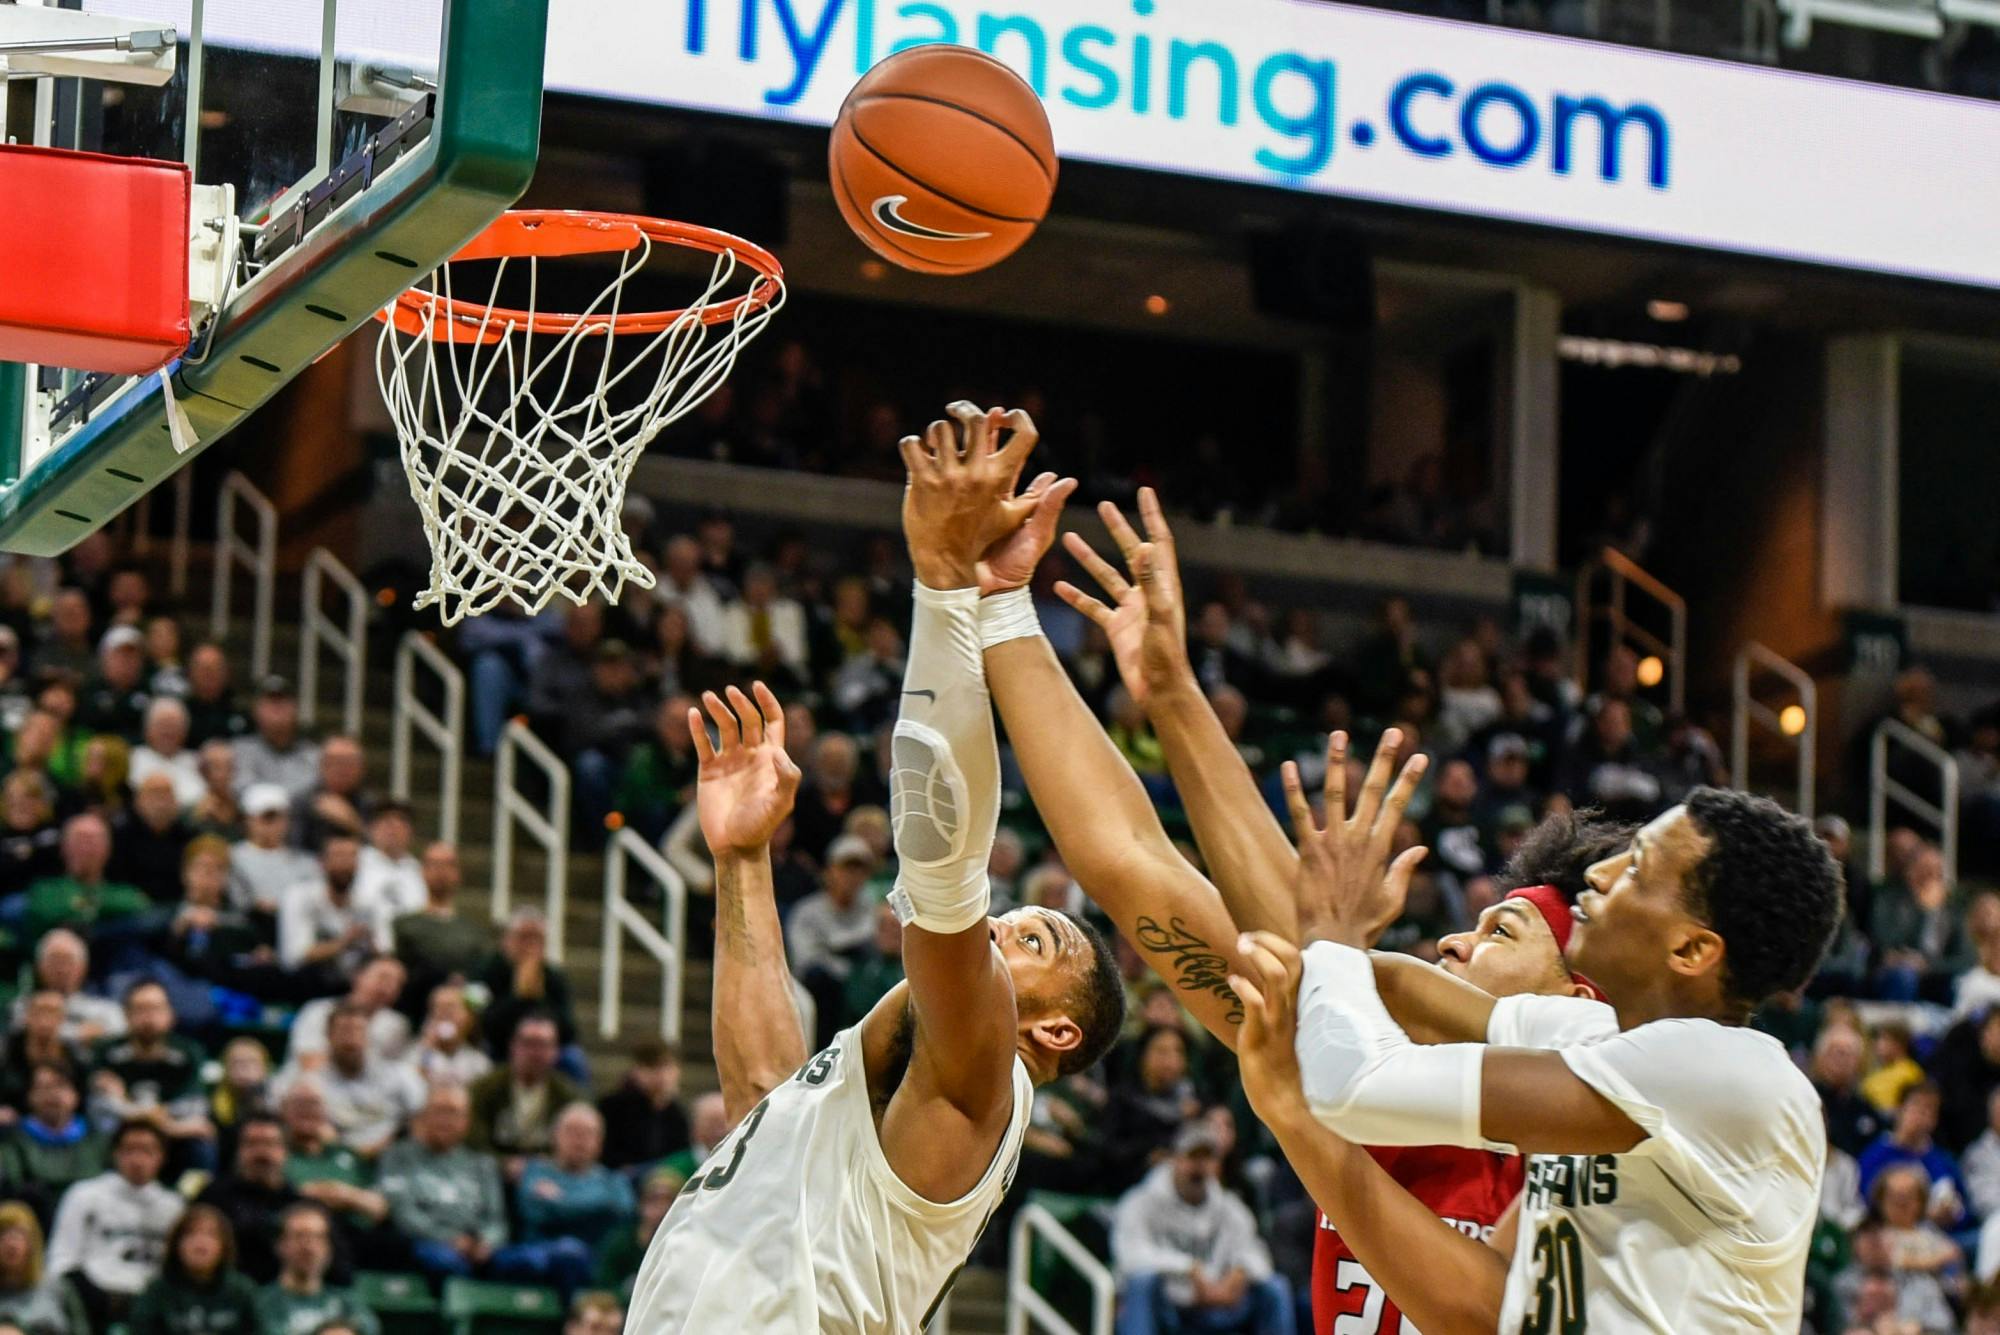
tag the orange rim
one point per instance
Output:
(547, 233)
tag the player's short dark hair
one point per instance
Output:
(1561, 848)
(1768, 886)
(1096, 1004)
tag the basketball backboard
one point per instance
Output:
(361, 143)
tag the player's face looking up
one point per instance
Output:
(1049, 960)
(1510, 952)
(1633, 925)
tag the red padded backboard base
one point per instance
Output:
(93, 260)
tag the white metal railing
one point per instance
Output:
(348, 639)
(1882, 789)
(548, 827)
(446, 731)
(259, 557)
(177, 545)
(1748, 710)
(668, 946)
(1025, 1305)
(1625, 572)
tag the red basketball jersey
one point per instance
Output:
(1468, 1189)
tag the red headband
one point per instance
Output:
(1549, 902)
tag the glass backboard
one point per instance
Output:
(342, 128)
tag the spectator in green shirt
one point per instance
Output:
(619, 1259)
(336, 1177)
(53, 1147)
(658, 778)
(200, 1291)
(301, 1302)
(81, 898)
(446, 1197)
(437, 943)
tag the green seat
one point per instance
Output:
(403, 1304)
(476, 1307)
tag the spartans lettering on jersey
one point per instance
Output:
(1572, 1180)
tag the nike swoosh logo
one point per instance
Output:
(924, 695)
(888, 211)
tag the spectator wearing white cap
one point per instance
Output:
(263, 866)
(115, 698)
(275, 752)
(165, 751)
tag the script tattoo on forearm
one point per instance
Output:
(1197, 966)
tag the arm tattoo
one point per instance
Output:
(1198, 967)
(732, 924)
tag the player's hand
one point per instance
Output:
(960, 499)
(747, 784)
(1348, 891)
(1146, 620)
(1010, 563)
(1265, 1046)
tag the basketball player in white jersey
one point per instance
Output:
(1675, 1154)
(858, 1180)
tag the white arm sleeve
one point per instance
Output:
(1363, 1077)
(944, 782)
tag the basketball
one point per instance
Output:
(942, 160)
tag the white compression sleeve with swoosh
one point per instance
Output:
(1363, 1076)
(944, 782)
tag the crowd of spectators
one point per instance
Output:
(253, 1050)
(246, 983)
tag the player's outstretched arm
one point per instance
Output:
(745, 791)
(1445, 1282)
(1103, 823)
(945, 797)
(1248, 855)
(1362, 1074)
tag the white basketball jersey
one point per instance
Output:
(797, 1225)
(1705, 1224)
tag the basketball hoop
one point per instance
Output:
(518, 439)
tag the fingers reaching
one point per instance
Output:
(1256, 1024)
(725, 722)
(1026, 434)
(942, 441)
(1303, 824)
(704, 750)
(1122, 532)
(747, 716)
(1048, 509)
(918, 460)
(1411, 774)
(1114, 584)
(975, 428)
(1084, 603)
(1336, 777)
(773, 712)
(1376, 782)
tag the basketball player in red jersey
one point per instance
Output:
(1516, 948)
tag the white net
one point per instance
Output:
(519, 438)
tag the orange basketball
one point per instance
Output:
(942, 160)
